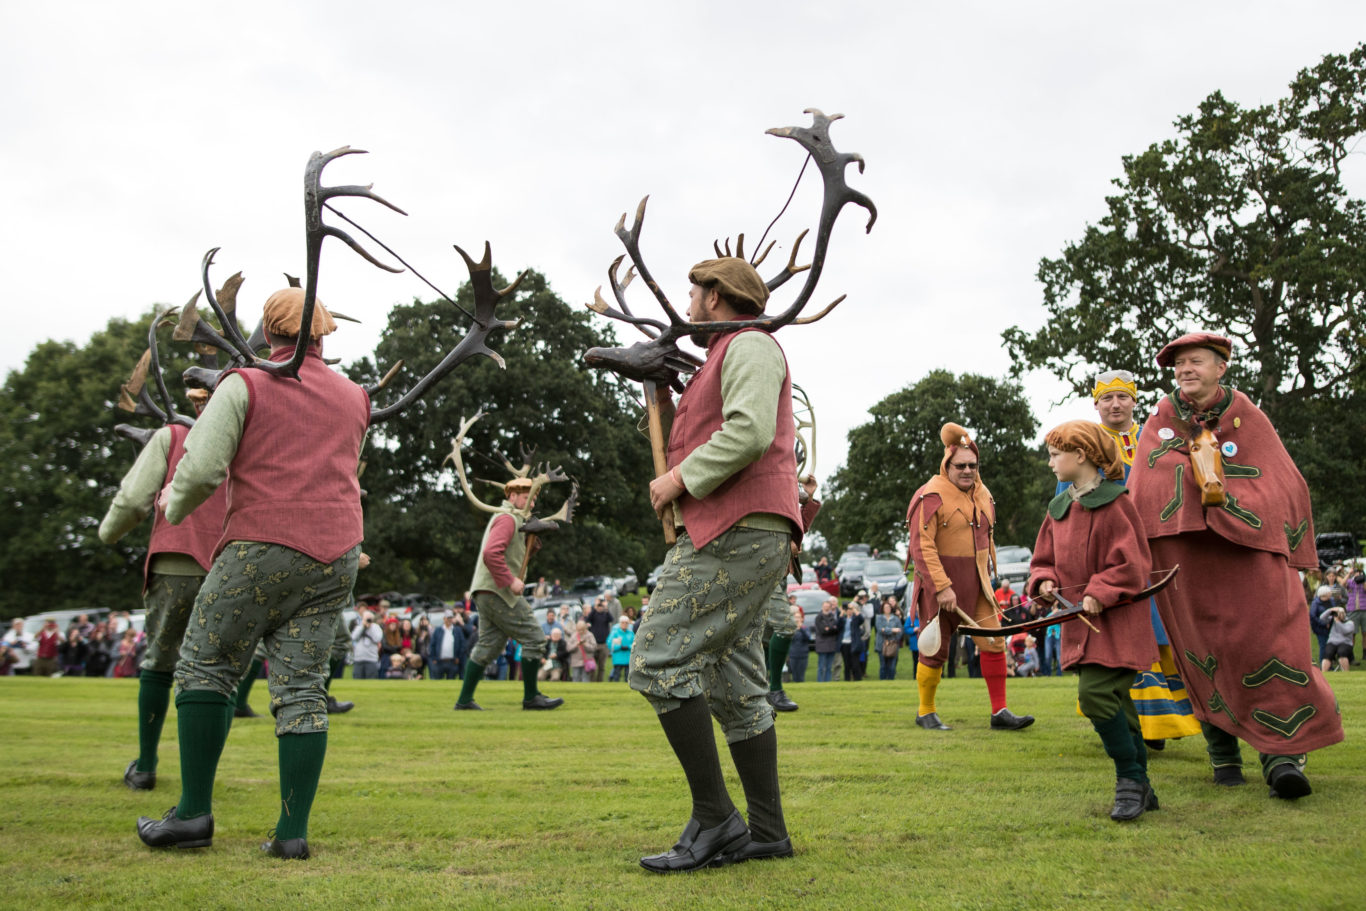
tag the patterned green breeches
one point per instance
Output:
(499, 622)
(703, 633)
(341, 643)
(780, 621)
(169, 600)
(283, 598)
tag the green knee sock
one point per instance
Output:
(199, 717)
(474, 672)
(777, 655)
(154, 698)
(530, 668)
(1119, 746)
(244, 685)
(1222, 747)
(301, 765)
(335, 671)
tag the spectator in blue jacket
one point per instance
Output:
(446, 647)
(1320, 624)
(620, 642)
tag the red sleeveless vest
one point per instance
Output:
(767, 485)
(293, 480)
(198, 535)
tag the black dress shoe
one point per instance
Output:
(755, 850)
(1288, 782)
(139, 781)
(338, 708)
(780, 702)
(171, 832)
(541, 703)
(1230, 776)
(1005, 720)
(244, 711)
(1156, 746)
(698, 847)
(468, 707)
(931, 722)
(1132, 798)
(287, 849)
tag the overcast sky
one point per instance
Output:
(135, 136)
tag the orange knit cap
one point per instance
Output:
(284, 312)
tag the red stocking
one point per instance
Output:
(994, 673)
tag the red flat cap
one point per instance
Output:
(1216, 343)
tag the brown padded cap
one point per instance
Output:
(733, 277)
(1099, 446)
(1216, 343)
(515, 485)
(284, 311)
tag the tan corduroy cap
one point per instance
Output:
(284, 310)
(735, 278)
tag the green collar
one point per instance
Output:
(1107, 492)
(1184, 409)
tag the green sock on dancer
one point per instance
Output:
(199, 717)
(778, 647)
(474, 672)
(301, 765)
(154, 700)
(244, 685)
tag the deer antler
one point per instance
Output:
(659, 360)
(486, 301)
(456, 457)
(565, 514)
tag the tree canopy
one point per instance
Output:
(899, 450)
(421, 533)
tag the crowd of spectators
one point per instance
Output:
(1337, 614)
(111, 647)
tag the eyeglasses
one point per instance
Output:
(963, 466)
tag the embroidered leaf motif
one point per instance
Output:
(1206, 667)
(1296, 535)
(1276, 669)
(1163, 448)
(1175, 504)
(1241, 513)
(1234, 470)
(1286, 727)
(1217, 704)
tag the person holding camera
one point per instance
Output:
(1354, 584)
(365, 640)
(1340, 634)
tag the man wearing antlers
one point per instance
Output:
(1219, 495)
(503, 613)
(699, 650)
(285, 566)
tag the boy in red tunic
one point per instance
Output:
(1092, 540)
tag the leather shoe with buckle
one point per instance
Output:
(338, 708)
(755, 850)
(172, 832)
(139, 781)
(780, 701)
(468, 707)
(287, 849)
(931, 722)
(698, 847)
(541, 703)
(1288, 782)
(1132, 798)
(1005, 720)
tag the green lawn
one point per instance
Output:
(422, 807)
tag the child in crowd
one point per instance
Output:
(1092, 541)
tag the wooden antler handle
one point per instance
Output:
(656, 400)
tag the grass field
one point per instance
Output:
(421, 807)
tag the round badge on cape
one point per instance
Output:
(1229, 449)
(1166, 433)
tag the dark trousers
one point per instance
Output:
(853, 669)
(445, 669)
(886, 667)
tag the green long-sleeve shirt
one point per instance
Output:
(751, 382)
(209, 448)
(137, 498)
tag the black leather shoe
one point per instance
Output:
(541, 703)
(931, 722)
(780, 702)
(337, 708)
(698, 847)
(139, 781)
(1005, 720)
(755, 850)
(1230, 776)
(170, 832)
(1156, 746)
(287, 849)
(244, 711)
(1132, 798)
(1288, 782)
(468, 707)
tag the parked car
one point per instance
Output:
(627, 583)
(653, 578)
(64, 618)
(890, 576)
(808, 579)
(587, 588)
(1336, 547)
(810, 601)
(1012, 562)
(555, 602)
(851, 575)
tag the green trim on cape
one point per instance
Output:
(1106, 493)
